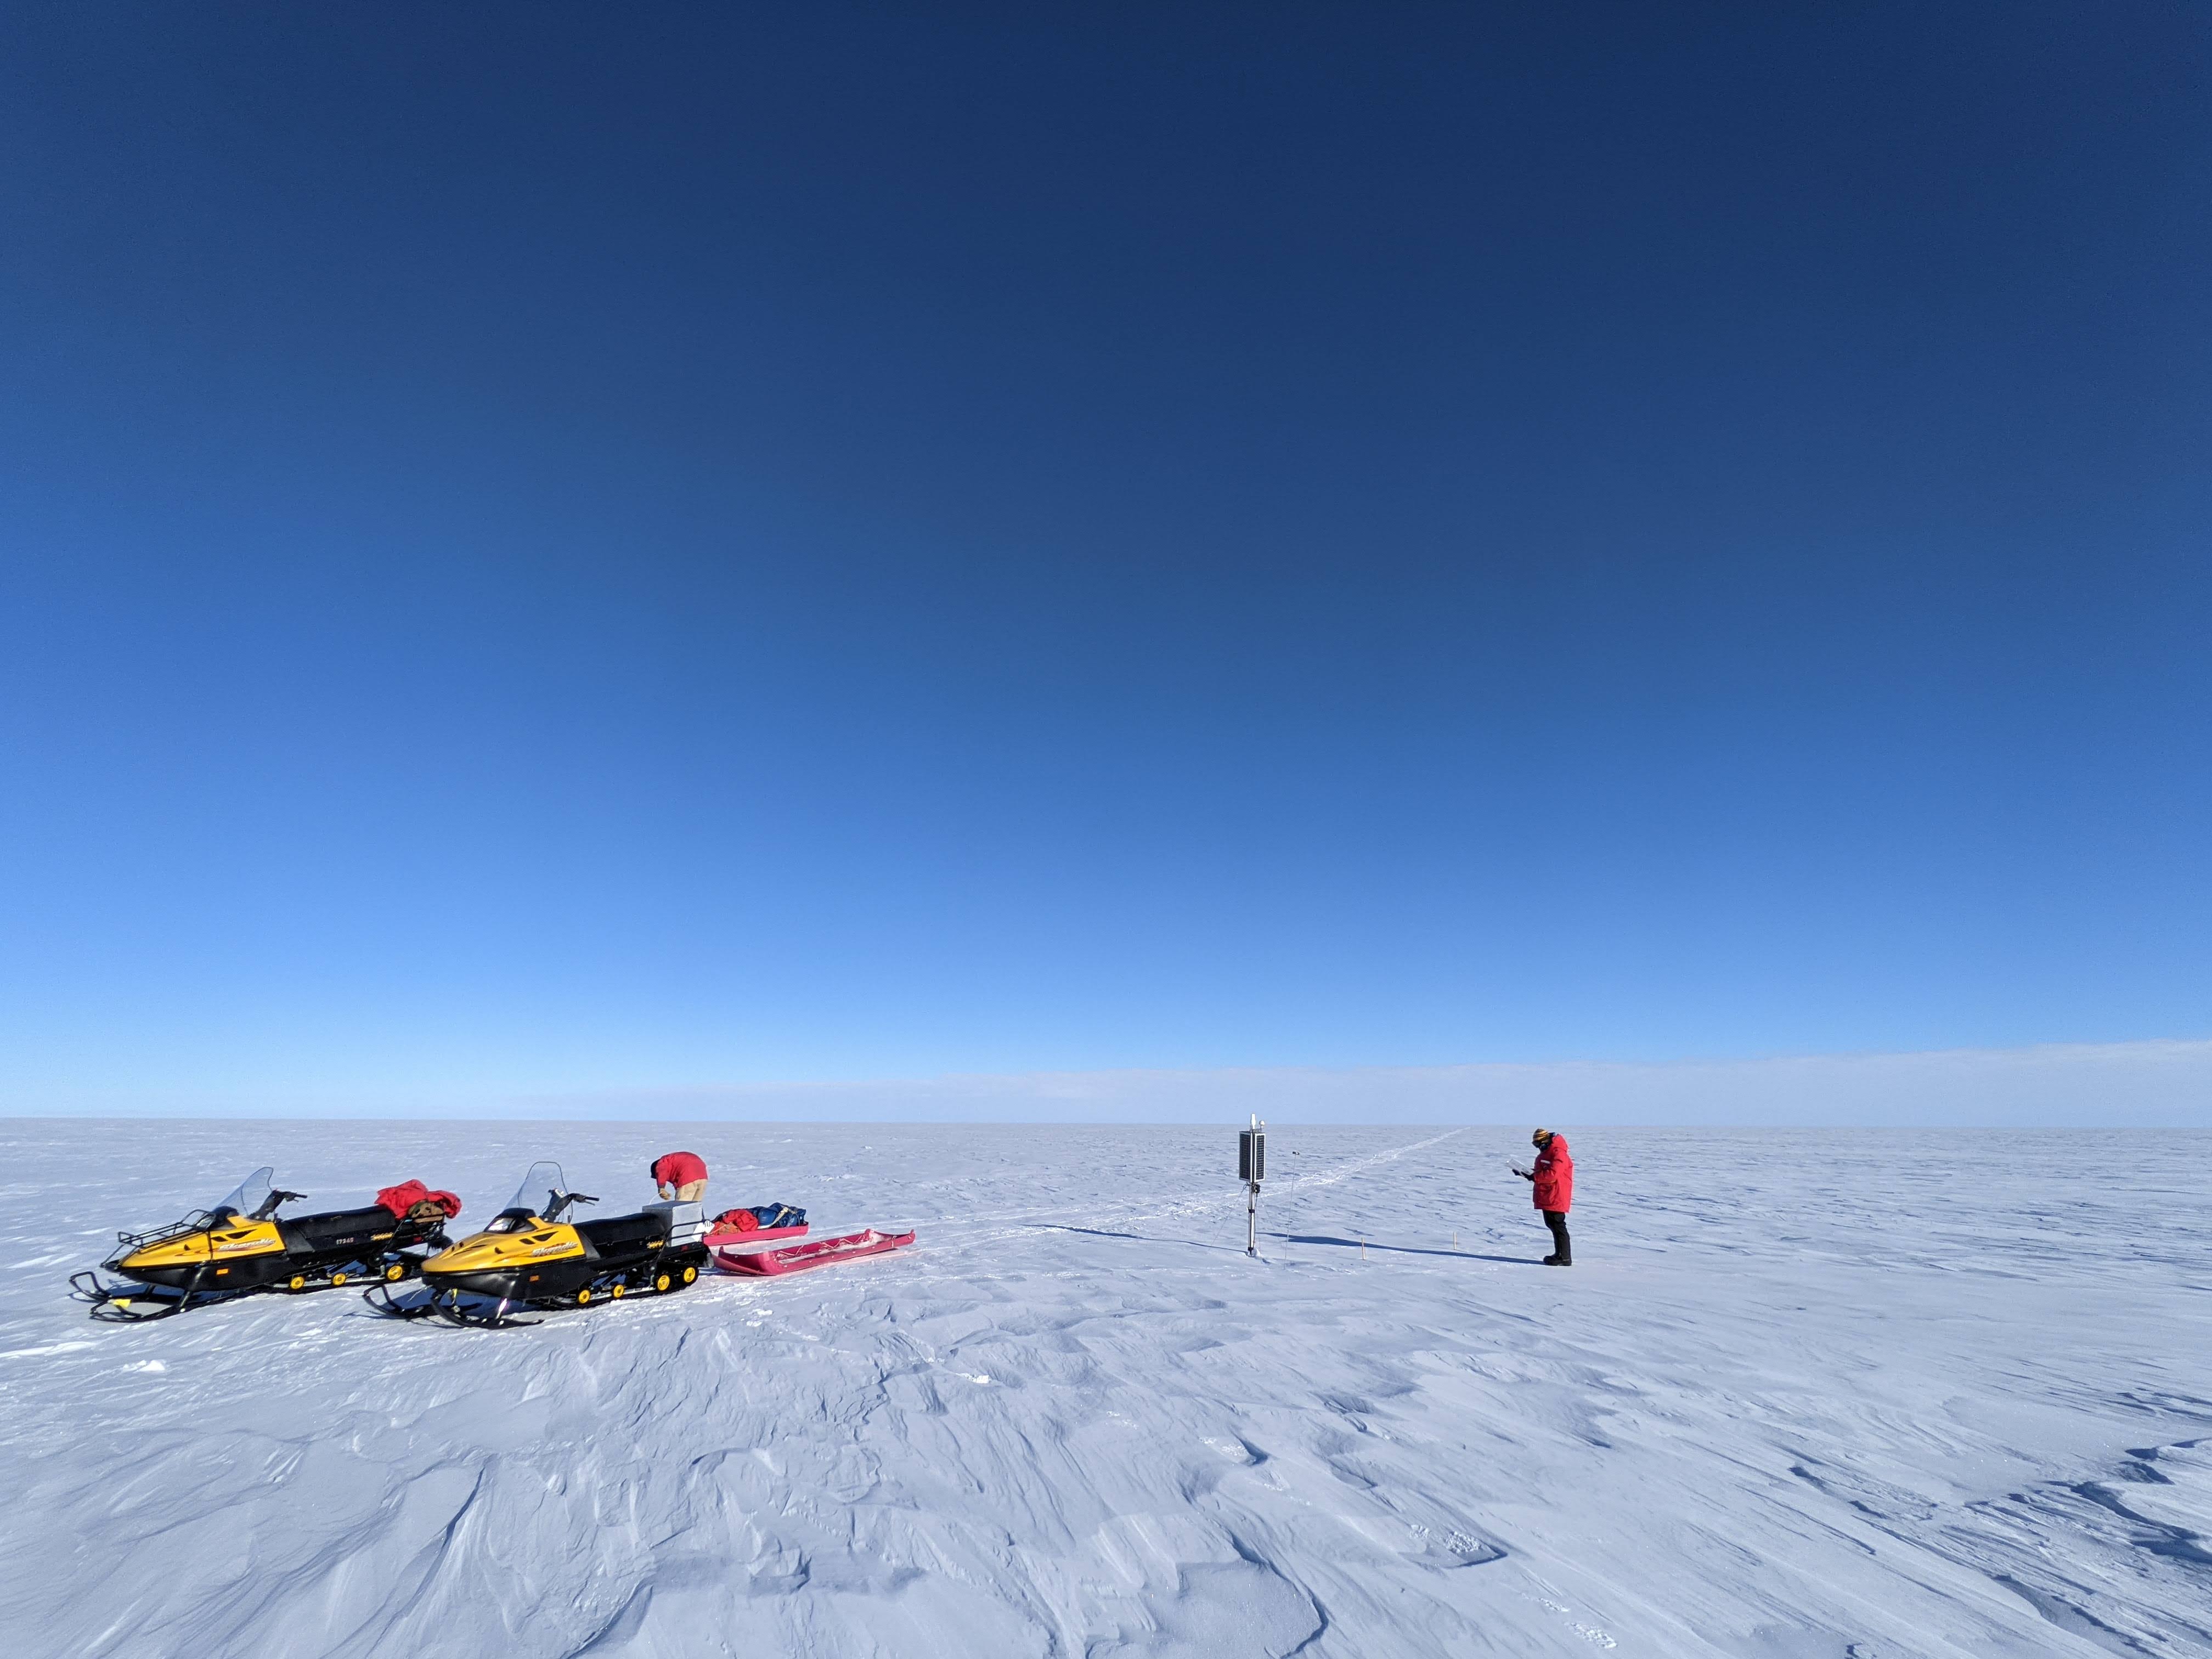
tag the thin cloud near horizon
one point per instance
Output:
(2162, 1083)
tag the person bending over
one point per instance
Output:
(680, 1175)
(1554, 1175)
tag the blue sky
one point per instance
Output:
(552, 550)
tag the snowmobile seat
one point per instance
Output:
(325, 1232)
(621, 1231)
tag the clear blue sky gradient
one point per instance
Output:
(557, 546)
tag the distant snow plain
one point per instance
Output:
(1860, 1394)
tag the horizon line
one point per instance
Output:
(2152, 1082)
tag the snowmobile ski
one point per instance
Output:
(453, 1306)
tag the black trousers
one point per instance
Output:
(1562, 1246)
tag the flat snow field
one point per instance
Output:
(1838, 1393)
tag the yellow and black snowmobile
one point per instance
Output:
(528, 1257)
(242, 1245)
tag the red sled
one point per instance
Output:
(815, 1253)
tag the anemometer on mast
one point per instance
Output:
(1252, 1170)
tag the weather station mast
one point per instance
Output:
(1252, 1170)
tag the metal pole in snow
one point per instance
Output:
(1252, 1195)
(1252, 1166)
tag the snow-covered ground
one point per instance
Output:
(1803, 1393)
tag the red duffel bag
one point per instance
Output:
(404, 1199)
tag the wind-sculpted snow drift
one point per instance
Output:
(1804, 1393)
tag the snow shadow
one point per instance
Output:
(1401, 1250)
(1141, 1238)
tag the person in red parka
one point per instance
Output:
(1554, 1175)
(680, 1175)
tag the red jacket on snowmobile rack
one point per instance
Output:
(1555, 1174)
(408, 1194)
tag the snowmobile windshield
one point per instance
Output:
(541, 1188)
(251, 1194)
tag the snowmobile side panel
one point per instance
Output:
(171, 1261)
(524, 1247)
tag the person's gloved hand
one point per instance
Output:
(1525, 1174)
